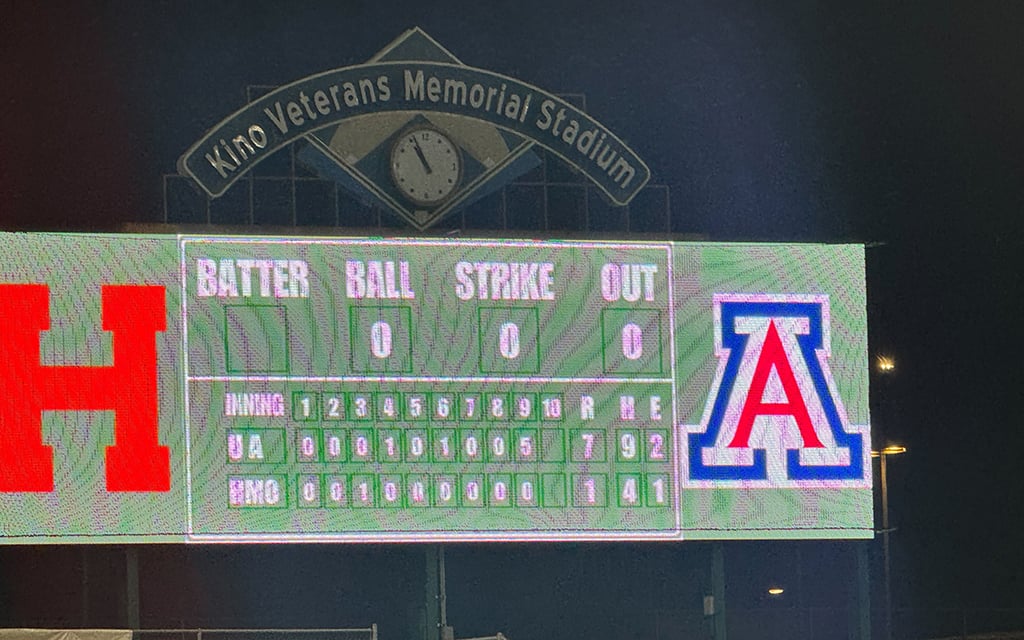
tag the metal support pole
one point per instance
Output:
(436, 602)
(432, 619)
(442, 593)
(85, 586)
(131, 585)
(801, 604)
(862, 626)
(885, 551)
(718, 629)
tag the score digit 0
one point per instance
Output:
(380, 339)
(381, 343)
(508, 341)
(632, 341)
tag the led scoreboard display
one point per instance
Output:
(234, 389)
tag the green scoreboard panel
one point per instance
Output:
(232, 389)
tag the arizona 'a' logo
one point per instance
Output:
(774, 417)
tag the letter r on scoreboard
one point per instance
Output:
(136, 461)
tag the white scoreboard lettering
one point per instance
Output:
(352, 389)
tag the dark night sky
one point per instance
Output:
(858, 121)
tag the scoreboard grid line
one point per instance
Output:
(676, 455)
(420, 242)
(443, 535)
(481, 379)
(187, 417)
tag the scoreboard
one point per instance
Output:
(237, 389)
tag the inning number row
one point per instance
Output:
(314, 406)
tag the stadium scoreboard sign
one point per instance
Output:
(235, 389)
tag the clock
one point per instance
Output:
(426, 166)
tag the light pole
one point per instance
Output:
(891, 450)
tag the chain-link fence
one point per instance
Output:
(369, 633)
(839, 623)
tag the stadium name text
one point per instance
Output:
(295, 110)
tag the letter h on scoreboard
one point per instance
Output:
(774, 417)
(128, 387)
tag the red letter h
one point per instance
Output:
(136, 461)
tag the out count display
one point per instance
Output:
(353, 389)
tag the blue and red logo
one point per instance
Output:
(774, 417)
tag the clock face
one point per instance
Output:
(426, 166)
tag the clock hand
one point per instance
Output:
(419, 152)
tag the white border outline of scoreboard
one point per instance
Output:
(183, 264)
(433, 536)
(530, 379)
